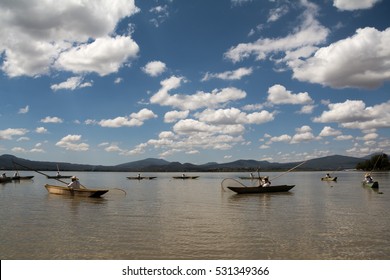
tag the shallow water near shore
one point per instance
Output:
(166, 218)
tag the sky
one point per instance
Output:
(107, 82)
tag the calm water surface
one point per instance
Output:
(197, 219)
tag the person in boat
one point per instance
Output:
(3, 175)
(266, 182)
(75, 184)
(368, 178)
(58, 174)
(183, 175)
(327, 175)
(16, 174)
(139, 176)
(252, 177)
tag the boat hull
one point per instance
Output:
(185, 177)
(329, 179)
(373, 185)
(141, 178)
(59, 177)
(272, 189)
(5, 179)
(74, 192)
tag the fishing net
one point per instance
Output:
(230, 182)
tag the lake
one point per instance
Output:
(168, 219)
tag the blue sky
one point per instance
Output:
(107, 82)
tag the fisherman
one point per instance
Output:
(139, 176)
(183, 175)
(16, 175)
(266, 182)
(75, 184)
(368, 178)
(252, 177)
(327, 175)
(3, 175)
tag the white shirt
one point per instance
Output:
(74, 184)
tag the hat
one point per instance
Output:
(74, 178)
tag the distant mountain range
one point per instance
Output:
(329, 163)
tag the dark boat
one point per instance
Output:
(185, 177)
(59, 177)
(271, 189)
(22, 178)
(373, 185)
(140, 178)
(329, 179)
(74, 192)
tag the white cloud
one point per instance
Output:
(104, 56)
(351, 5)
(303, 134)
(71, 83)
(329, 131)
(277, 13)
(71, 143)
(52, 120)
(135, 119)
(234, 116)
(360, 61)
(71, 28)
(24, 110)
(154, 68)
(195, 101)
(40, 130)
(355, 115)
(173, 116)
(9, 133)
(309, 33)
(278, 94)
(229, 75)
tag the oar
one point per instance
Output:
(289, 170)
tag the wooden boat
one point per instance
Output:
(329, 179)
(74, 192)
(185, 177)
(16, 178)
(140, 178)
(59, 177)
(373, 185)
(271, 189)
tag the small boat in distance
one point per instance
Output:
(184, 177)
(329, 179)
(140, 178)
(59, 176)
(74, 192)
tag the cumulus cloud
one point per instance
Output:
(354, 114)
(72, 143)
(360, 61)
(234, 116)
(195, 101)
(351, 5)
(329, 131)
(134, 119)
(278, 94)
(9, 133)
(71, 83)
(73, 36)
(41, 130)
(173, 116)
(154, 68)
(303, 134)
(229, 75)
